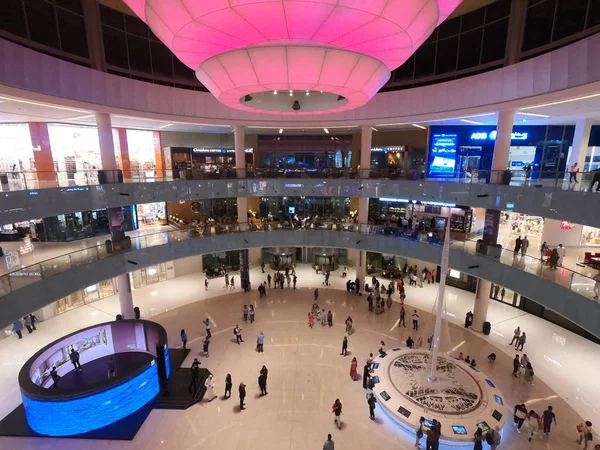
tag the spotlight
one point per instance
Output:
(296, 106)
(275, 92)
(326, 130)
(308, 93)
(280, 130)
(247, 98)
(340, 98)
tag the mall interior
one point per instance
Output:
(164, 162)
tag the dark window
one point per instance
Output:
(115, 47)
(139, 53)
(42, 23)
(472, 20)
(71, 5)
(594, 14)
(538, 25)
(449, 28)
(494, 41)
(182, 72)
(135, 26)
(405, 71)
(446, 55)
(72, 33)
(425, 60)
(470, 48)
(162, 63)
(12, 18)
(497, 10)
(570, 18)
(432, 37)
(111, 17)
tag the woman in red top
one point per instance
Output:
(353, 366)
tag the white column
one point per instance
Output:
(242, 210)
(240, 147)
(482, 301)
(107, 145)
(361, 268)
(504, 128)
(581, 140)
(125, 296)
(366, 135)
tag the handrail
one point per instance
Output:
(578, 282)
(557, 180)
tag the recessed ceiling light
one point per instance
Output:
(560, 102)
(275, 92)
(27, 102)
(280, 130)
(474, 122)
(326, 130)
(166, 126)
(374, 129)
(307, 93)
(419, 126)
(533, 114)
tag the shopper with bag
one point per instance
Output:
(585, 434)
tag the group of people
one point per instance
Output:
(280, 280)
(538, 424)
(320, 316)
(28, 322)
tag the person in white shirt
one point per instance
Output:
(561, 254)
(585, 434)
(415, 319)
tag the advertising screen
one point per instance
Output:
(442, 157)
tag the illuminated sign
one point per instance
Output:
(442, 157)
(565, 225)
(399, 148)
(219, 150)
(405, 200)
(482, 136)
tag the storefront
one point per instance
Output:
(214, 264)
(289, 152)
(151, 214)
(85, 296)
(152, 274)
(180, 212)
(141, 152)
(467, 151)
(389, 157)
(590, 237)
(285, 208)
(188, 162)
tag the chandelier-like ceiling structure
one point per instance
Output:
(293, 56)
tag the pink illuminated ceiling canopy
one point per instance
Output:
(293, 44)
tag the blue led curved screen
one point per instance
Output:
(77, 416)
(167, 362)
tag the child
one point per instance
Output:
(311, 320)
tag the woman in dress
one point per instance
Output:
(311, 320)
(353, 367)
(228, 385)
(210, 394)
(205, 346)
(534, 424)
(528, 375)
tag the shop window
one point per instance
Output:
(470, 49)
(472, 20)
(115, 47)
(72, 33)
(425, 60)
(570, 18)
(139, 53)
(42, 23)
(538, 25)
(162, 63)
(494, 41)
(446, 55)
(111, 18)
(497, 10)
(12, 17)
(70, 5)
(450, 27)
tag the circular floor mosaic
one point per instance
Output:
(455, 392)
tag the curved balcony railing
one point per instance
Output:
(556, 180)
(581, 283)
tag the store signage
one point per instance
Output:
(219, 150)
(482, 136)
(37, 148)
(442, 158)
(395, 149)
(405, 200)
(566, 225)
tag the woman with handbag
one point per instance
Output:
(420, 431)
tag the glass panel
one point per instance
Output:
(139, 53)
(449, 28)
(538, 25)
(470, 48)
(497, 10)
(494, 41)
(446, 55)
(72, 33)
(594, 14)
(425, 60)
(570, 18)
(42, 23)
(71, 5)
(162, 63)
(472, 20)
(136, 26)
(111, 17)
(12, 18)
(115, 47)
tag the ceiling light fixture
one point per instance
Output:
(374, 129)
(474, 122)
(307, 93)
(281, 131)
(560, 102)
(27, 102)
(544, 116)
(166, 126)
(419, 126)
(275, 92)
(88, 116)
(326, 130)
(247, 98)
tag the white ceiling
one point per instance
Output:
(564, 112)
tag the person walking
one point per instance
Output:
(519, 415)
(371, 402)
(478, 439)
(516, 366)
(524, 246)
(370, 302)
(547, 418)
(33, 320)
(228, 386)
(269, 281)
(433, 436)
(329, 318)
(348, 323)
(207, 327)
(74, 357)
(245, 313)
(419, 432)
(260, 340)
(573, 173)
(316, 294)
(595, 179)
(205, 345)
(311, 320)
(353, 369)
(586, 434)
(295, 280)
(232, 282)
(518, 243)
(226, 281)
(516, 334)
(521, 342)
(415, 320)
(502, 294)
(27, 323)
(336, 409)
(382, 349)
(323, 317)
(55, 377)
(184, 338)
(402, 317)
(493, 438)
(528, 375)
(237, 331)
(111, 367)
(195, 375)
(209, 384)
(206, 284)
(17, 327)
(242, 391)
(329, 444)
(262, 384)
(344, 346)
(262, 266)
(251, 313)
(562, 252)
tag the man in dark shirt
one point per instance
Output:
(242, 395)
(547, 417)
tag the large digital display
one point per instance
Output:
(80, 415)
(442, 157)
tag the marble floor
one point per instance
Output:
(306, 373)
